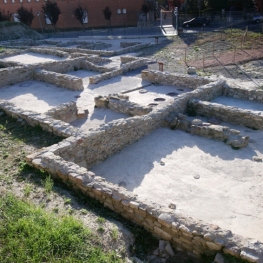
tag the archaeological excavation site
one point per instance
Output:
(178, 154)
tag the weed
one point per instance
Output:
(27, 190)
(48, 184)
(101, 229)
(83, 211)
(114, 233)
(101, 220)
(67, 201)
(5, 155)
(55, 210)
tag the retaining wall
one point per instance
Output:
(235, 115)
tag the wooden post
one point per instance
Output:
(160, 66)
(242, 42)
(231, 28)
(185, 55)
(213, 47)
(203, 61)
(235, 50)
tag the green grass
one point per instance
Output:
(29, 234)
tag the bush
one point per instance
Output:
(25, 16)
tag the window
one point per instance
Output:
(5, 1)
(86, 20)
(13, 1)
(21, 1)
(119, 11)
(124, 11)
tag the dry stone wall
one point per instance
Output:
(175, 79)
(243, 93)
(229, 136)
(49, 51)
(85, 64)
(13, 75)
(121, 103)
(61, 66)
(47, 123)
(137, 63)
(62, 80)
(235, 115)
(67, 112)
(185, 234)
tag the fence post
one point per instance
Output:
(203, 61)
(242, 42)
(235, 49)
(185, 55)
(213, 48)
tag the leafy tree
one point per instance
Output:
(107, 14)
(192, 6)
(259, 6)
(80, 14)
(145, 9)
(25, 16)
(52, 12)
(216, 5)
(4, 16)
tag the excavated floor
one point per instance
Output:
(33, 58)
(206, 179)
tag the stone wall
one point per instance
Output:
(121, 103)
(198, 127)
(206, 92)
(48, 51)
(47, 123)
(97, 145)
(136, 63)
(61, 80)
(61, 66)
(85, 64)
(13, 75)
(231, 90)
(185, 234)
(106, 53)
(235, 115)
(175, 79)
(67, 112)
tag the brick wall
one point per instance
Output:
(94, 8)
